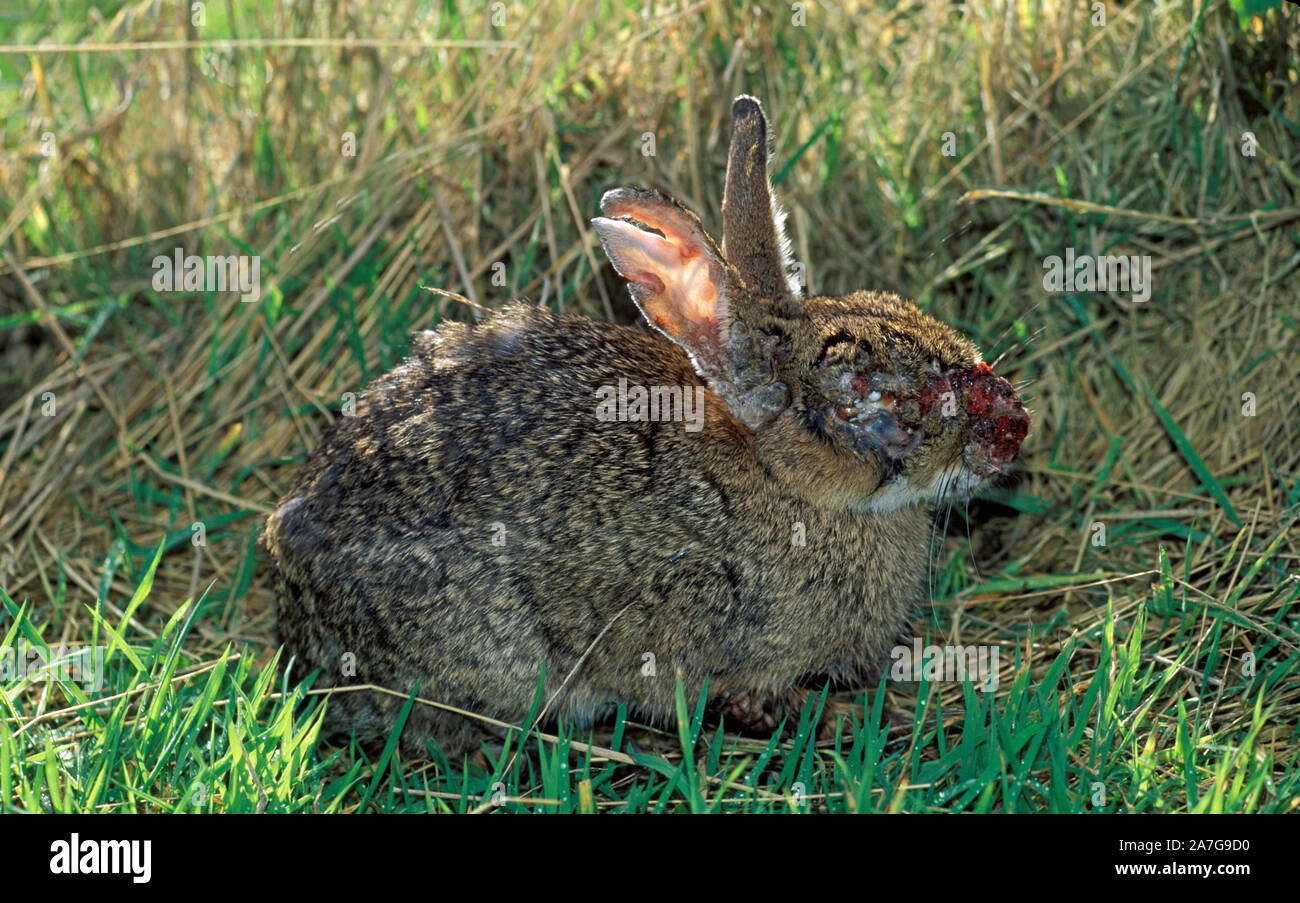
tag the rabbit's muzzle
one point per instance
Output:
(889, 413)
(996, 418)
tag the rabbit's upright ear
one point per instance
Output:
(753, 233)
(686, 290)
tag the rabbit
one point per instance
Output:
(508, 502)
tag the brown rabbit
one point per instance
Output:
(742, 495)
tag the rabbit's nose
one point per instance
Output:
(987, 408)
(988, 394)
(999, 421)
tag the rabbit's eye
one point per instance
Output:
(868, 401)
(870, 415)
(859, 396)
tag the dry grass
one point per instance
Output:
(478, 145)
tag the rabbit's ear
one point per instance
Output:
(689, 293)
(678, 277)
(753, 224)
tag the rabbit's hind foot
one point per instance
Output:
(761, 713)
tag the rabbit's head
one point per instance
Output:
(860, 401)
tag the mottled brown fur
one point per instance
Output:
(683, 548)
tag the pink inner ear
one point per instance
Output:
(646, 278)
(680, 295)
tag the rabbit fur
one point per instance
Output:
(500, 502)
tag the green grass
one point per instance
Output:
(172, 733)
(1157, 670)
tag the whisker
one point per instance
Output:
(931, 553)
(948, 510)
(970, 545)
(933, 550)
(1018, 343)
(998, 337)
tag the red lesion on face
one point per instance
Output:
(932, 393)
(997, 441)
(983, 393)
(999, 422)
